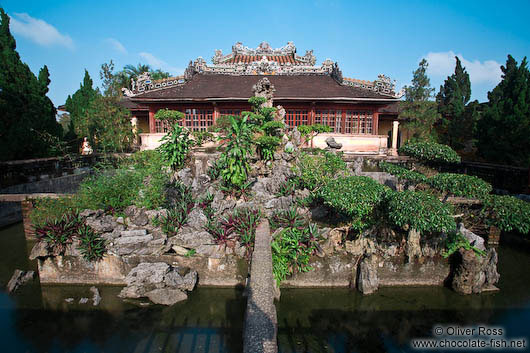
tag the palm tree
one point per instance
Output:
(134, 71)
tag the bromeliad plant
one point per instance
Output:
(59, 232)
(266, 146)
(177, 214)
(91, 245)
(287, 219)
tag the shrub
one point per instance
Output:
(46, 209)
(238, 141)
(169, 116)
(356, 197)
(91, 245)
(507, 213)
(175, 146)
(402, 173)
(420, 211)
(430, 152)
(460, 185)
(308, 132)
(201, 137)
(266, 146)
(455, 241)
(272, 128)
(314, 170)
(291, 251)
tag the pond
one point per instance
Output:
(38, 319)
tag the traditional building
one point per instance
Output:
(361, 114)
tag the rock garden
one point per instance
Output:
(161, 222)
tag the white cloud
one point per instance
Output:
(442, 64)
(157, 63)
(39, 31)
(116, 45)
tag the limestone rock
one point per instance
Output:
(40, 249)
(413, 249)
(475, 274)
(330, 141)
(473, 239)
(296, 137)
(147, 277)
(368, 281)
(18, 279)
(134, 232)
(101, 224)
(166, 296)
(138, 216)
(83, 300)
(197, 219)
(96, 298)
(185, 176)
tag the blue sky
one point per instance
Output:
(366, 38)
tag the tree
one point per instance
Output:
(27, 115)
(418, 110)
(504, 129)
(78, 104)
(113, 82)
(458, 119)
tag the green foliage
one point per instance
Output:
(287, 188)
(420, 211)
(457, 124)
(313, 171)
(235, 157)
(273, 127)
(177, 215)
(266, 146)
(46, 209)
(214, 171)
(91, 245)
(430, 152)
(291, 250)
(287, 219)
(504, 127)
(256, 102)
(402, 173)
(507, 213)
(201, 137)
(140, 180)
(172, 117)
(419, 112)
(176, 145)
(308, 132)
(455, 241)
(106, 124)
(460, 185)
(356, 197)
(25, 108)
(222, 123)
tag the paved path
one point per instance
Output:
(261, 324)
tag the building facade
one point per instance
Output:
(361, 114)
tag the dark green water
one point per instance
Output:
(37, 319)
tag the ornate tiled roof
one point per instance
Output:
(264, 60)
(217, 87)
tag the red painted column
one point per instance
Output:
(152, 126)
(376, 123)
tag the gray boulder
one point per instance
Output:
(197, 219)
(475, 274)
(166, 296)
(40, 249)
(368, 282)
(330, 141)
(101, 224)
(96, 298)
(137, 216)
(147, 277)
(473, 239)
(18, 279)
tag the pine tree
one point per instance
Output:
(504, 130)
(452, 99)
(418, 110)
(27, 115)
(77, 104)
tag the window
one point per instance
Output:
(198, 119)
(358, 122)
(296, 117)
(331, 118)
(161, 126)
